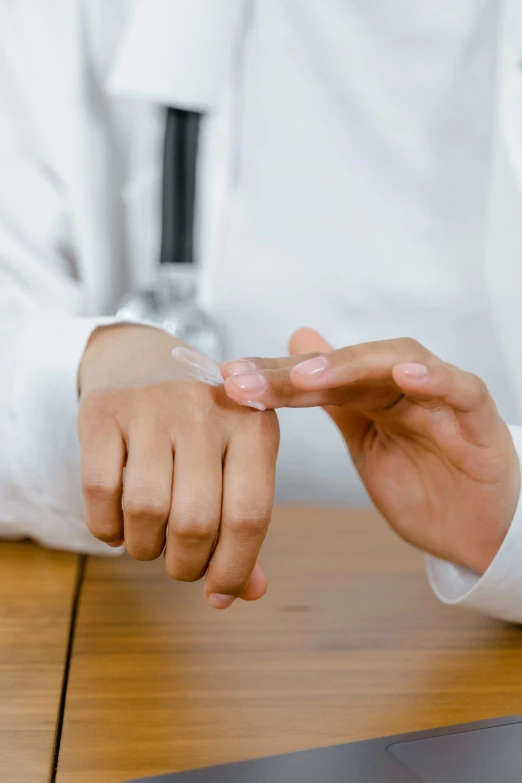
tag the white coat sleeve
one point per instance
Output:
(498, 592)
(40, 487)
(41, 345)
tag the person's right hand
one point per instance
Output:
(199, 469)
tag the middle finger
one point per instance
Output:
(196, 505)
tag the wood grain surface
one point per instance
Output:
(36, 591)
(348, 644)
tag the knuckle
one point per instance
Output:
(100, 488)
(98, 408)
(146, 502)
(251, 522)
(411, 346)
(195, 526)
(189, 390)
(480, 391)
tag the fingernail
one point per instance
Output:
(220, 601)
(254, 383)
(414, 371)
(312, 368)
(240, 367)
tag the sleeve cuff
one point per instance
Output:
(45, 497)
(498, 592)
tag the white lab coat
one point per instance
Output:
(344, 184)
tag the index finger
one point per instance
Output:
(331, 378)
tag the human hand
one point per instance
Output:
(199, 469)
(426, 438)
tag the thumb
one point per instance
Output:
(306, 340)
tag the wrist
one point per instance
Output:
(113, 348)
(486, 538)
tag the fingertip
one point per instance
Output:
(220, 601)
(256, 589)
(245, 390)
(116, 544)
(257, 586)
(300, 337)
(237, 367)
(233, 390)
(307, 340)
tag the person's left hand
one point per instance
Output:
(426, 438)
(170, 466)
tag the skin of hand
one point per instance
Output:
(427, 440)
(172, 466)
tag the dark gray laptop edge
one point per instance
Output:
(454, 754)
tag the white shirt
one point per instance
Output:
(344, 184)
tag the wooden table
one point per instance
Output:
(348, 644)
(36, 596)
